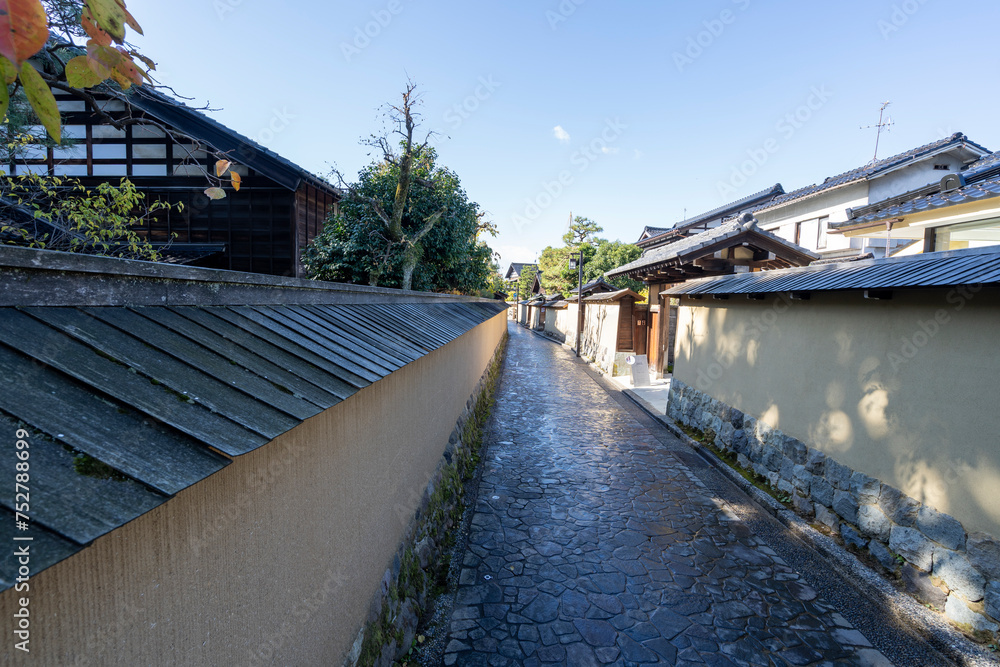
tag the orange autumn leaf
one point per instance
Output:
(24, 28)
(221, 167)
(237, 181)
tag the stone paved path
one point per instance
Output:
(593, 543)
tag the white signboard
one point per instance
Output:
(640, 371)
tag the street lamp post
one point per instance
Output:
(575, 263)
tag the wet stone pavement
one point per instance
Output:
(593, 543)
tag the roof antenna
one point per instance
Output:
(880, 126)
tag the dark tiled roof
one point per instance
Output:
(725, 211)
(968, 193)
(242, 149)
(872, 169)
(984, 167)
(159, 397)
(613, 296)
(517, 268)
(843, 260)
(599, 284)
(938, 269)
(691, 246)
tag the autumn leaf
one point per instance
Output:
(221, 167)
(215, 193)
(95, 33)
(5, 102)
(102, 59)
(24, 29)
(237, 181)
(7, 70)
(110, 16)
(42, 100)
(80, 75)
(129, 19)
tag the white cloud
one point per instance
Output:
(559, 133)
(608, 149)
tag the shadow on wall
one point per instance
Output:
(903, 390)
(595, 319)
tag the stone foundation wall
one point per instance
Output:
(942, 564)
(406, 588)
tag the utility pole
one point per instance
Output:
(579, 306)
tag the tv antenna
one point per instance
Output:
(884, 123)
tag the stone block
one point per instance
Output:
(943, 529)
(816, 462)
(912, 545)
(772, 458)
(883, 555)
(794, 449)
(787, 468)
(899, 507)
(993, 599)
(761, 469)
(726, 434)
(801, 478)
(838, 475)
(955, 570)
(821, 491)
(866, 489)
(785, 486)
(873, 522)
(744, 462)
(740, 442)
(918, 584)
(845, 505)
(736, 418)
(852, 536)
(802, 504)
(826, 517)
(984, 553)
(959, 612)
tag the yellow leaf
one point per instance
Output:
(8, 70)
(215, 193)
(109, 16)
(79, 74)
(42, 100)
(221, 167)
(237, 181)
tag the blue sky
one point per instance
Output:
(661, 106)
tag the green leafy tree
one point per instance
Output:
(556, 274)
(581, 230)
(357, 246)
(525, 282)
(59, 213)
(610, 255)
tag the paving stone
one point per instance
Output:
(596, 633)
(608, 549)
